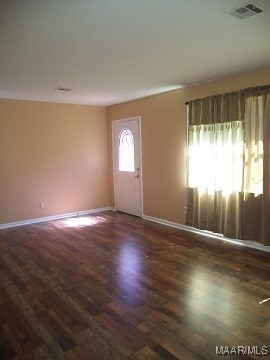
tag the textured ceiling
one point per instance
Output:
(110, 51)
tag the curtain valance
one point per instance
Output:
(222, 108)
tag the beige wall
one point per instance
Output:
(58, 153)
(51, 152)
(164, 141)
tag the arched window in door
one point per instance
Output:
(126, 151)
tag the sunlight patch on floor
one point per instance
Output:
(82, 221)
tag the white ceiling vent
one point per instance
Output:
(245, 11)
(63, 89)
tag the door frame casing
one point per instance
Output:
(133, 118)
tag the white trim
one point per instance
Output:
(127, 119)
(53, 217)
(246, 243)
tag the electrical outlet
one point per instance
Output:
(42, 204)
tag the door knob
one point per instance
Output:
(137, 176)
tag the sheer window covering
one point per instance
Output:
(215, 156)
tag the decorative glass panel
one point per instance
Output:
(126, 151)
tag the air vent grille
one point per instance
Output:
(63, 89)
(246, 11)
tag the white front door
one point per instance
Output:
(127, 165)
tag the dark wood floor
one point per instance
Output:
(115, 286)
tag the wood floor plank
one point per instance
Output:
(130, 336)
(168, 341)
(114, 286)
(253, 335)
(8, 347)
(71, 318)
(233, 311)
(145, 354)
(20, 330)
(39, 353)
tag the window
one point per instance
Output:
(215, 157)
(227, 156)
(126, 151)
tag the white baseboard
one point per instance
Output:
(53, 217)
(246, 243)
(250, 244)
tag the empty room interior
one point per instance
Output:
(135, 179)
